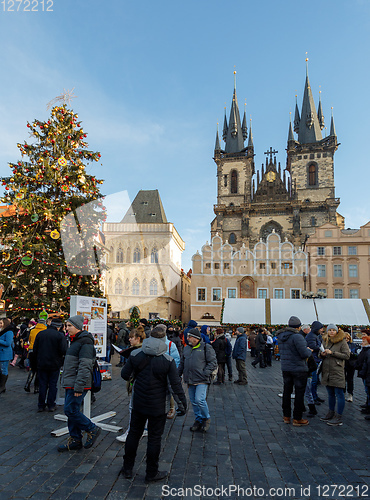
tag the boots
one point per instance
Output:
(328, 416)
(336, 420)
(13, 363)
(3, 379)
(27, 387)
(312, 411)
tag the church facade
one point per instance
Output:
(264, 217)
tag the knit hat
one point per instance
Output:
(316, 326)
(219, 331)
(159, 332)
(331, 326)
(240, 329)
(76, 321)
(294, 322)
(304, 327)
(56, 322)
(194, 332)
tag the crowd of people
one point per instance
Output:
(157, 363)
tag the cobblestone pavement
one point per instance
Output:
(247, 446)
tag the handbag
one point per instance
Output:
(311, 364)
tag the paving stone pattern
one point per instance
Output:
(247, 445)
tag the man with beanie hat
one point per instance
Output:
(240, 355)
(313, 339)
(293, 355)
(152, 368)
(77, 380)
(197, 364)
(49, 349)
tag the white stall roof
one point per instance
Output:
(253, 311)
(249, 311)
(341, 311)
(283, 309)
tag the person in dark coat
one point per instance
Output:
(144, 323)
(240, 355)
(363, 367)
(313, 339)
(220, 346)
(77, 380)
(123, 341)
(261, 341)
(349, 367)
(49, 349)
(293, 355)
(173, 336)
(151, 367)
(252, 343)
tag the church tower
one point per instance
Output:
(310, 161)
(235, 168)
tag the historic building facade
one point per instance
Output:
(268, 223)
(144, 261)
(340, 262)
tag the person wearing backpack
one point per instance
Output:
(197, 364)
(77, 380)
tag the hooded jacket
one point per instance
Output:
(6, 342)
(313, 340)
(363, 364)
(293, 350)
(240, 347)
(333, 364)
(191, 324)
(79, 362)
(197, 363)
(152, 369)
(33, 333)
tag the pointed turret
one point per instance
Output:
(250, 140)
(217, 144)
(309, 126)
(332, 126)
(290, 133)
(320, 115)
(297, 118)
(226, 128)
(244, 126)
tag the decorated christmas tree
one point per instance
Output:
(45, 192)
(134, 316)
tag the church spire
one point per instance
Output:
(297, 118)
(309, 126)
(290, 134)
(244, 126)
(226, 128)
(217, 144)
(250, 140)
(234, 136)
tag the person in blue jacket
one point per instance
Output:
(6, 350)
(194, 324)
(240, 355)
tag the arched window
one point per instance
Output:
(312, 175)
(232, 239)
(119, 256)
(118, 287)
(128, 255)
(154, 256)
(136, 256)
(234, 181)
(153, 287)
(135, 287)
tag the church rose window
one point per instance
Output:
(234, 181)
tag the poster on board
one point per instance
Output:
(94, 312)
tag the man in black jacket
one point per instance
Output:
(49, 349)
(151, 368)
(261, 340)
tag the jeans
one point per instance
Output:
(308, 392)
(229, 364)
(4, 367)
(48, 385)
(314, 385)
(155, 430)
(197, 396)
(336, 394)
(107, 357)
(298, 380)
(77, 421)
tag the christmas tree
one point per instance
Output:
(48, 183)
(134, 316)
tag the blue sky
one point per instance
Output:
(152, 79)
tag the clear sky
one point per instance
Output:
(152, 79)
